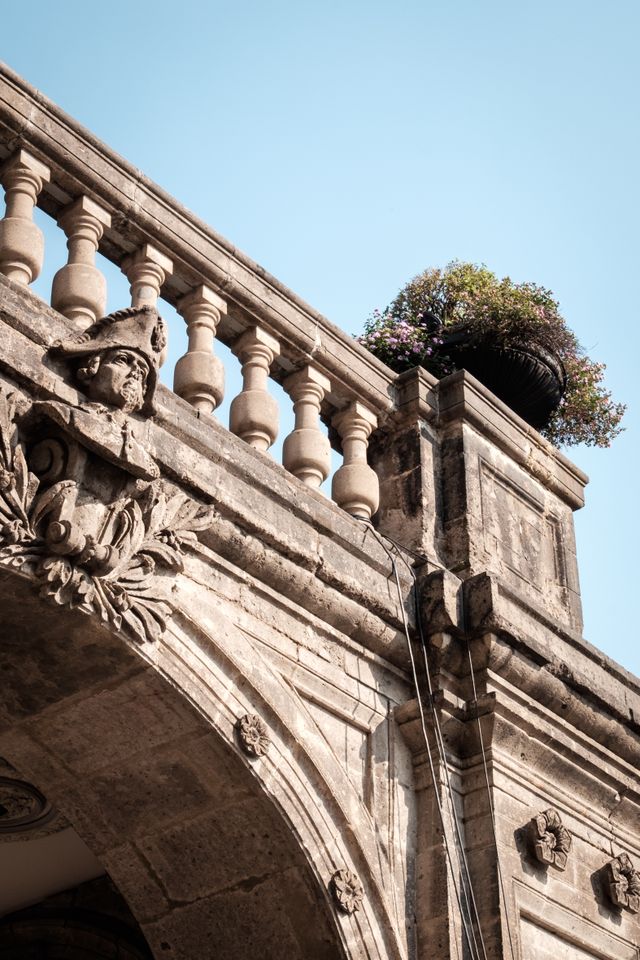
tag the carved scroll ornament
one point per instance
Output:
(623, 883)
(112, 575)
(551, 840)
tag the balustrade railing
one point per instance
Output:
(103, 204)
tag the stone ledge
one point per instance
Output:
(513, 639)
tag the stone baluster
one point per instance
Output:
(306, 452)
(355, 485)
(79, 289)
(254, 412)
(146, 270)
(199, 375)
(21, 240)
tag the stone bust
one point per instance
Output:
(115, 377)
(118, 357)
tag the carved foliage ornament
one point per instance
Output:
(113, 575)
(253, 735)
(623, 883)
(551, 840)
(346, 890)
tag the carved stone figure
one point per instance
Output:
(551, 840)
(347, 890)
(119, 358)
(103, 558)
(623, 883)
(115, 363)
(117, 377)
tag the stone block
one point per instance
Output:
(227, 847)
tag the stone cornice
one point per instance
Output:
(510, 640)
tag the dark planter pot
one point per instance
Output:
(528, 378)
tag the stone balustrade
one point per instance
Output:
(102, 204)
(306, 452)
(199, 375)
(79, 289)
(21, 241)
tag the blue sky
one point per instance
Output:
(347, 146)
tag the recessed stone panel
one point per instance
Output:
(519, 531)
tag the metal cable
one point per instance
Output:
(443, 758)
(491, 808)
(466, 921)
(400, 549)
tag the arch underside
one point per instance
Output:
(90, 919)
(175, 815)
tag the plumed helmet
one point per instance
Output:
(140, 329)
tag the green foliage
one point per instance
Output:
(412, 330)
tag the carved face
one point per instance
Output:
(117, 377)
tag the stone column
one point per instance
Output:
(254, 413)
(79, 289)
(307, 452)
(355, 485)
(199, 375)
(146, 270)
(21, 241)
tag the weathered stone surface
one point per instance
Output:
(247, 920)
(254, 596)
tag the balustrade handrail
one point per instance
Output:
(142, 212)
(104, 203)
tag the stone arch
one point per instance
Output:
(113, 736)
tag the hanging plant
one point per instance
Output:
(510, 336)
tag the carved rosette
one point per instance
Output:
(21, 806)
(551, 840)
(347, 891)
(112, 575)
(623, 883)
(23, 809)
(253, 735)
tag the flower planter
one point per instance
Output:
(528, 378)
(511, 337)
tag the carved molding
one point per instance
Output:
(112, 575)
(623, 883)
(347, 891)
(551, 840)
(253, 735)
